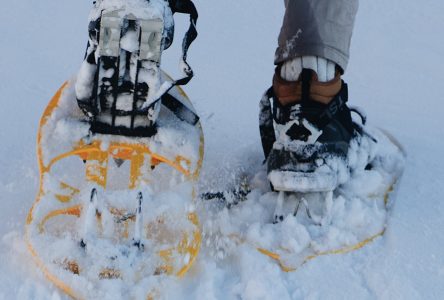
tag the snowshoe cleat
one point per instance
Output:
(114, 215)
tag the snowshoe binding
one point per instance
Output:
(119, 150)
(312, 140)
(332, 181)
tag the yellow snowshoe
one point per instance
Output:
(119, 150)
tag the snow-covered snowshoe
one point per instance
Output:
(318, 158)
(311, 224)
(347, 218)
(332, 179)
(114, 215)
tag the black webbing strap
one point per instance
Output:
(333, 107)
(186, 7)
(266, 127)
(179, 109)
(306, 75)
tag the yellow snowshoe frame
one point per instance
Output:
(286, 268)
(96, 158)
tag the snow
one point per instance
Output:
(395, 66)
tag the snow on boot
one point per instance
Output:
(314, 128)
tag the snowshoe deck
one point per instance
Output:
(114, 209)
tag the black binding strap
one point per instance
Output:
(179, 109)
(333, 107)
(306, 75)
(186, 7)
(266, 127)
(103, 128)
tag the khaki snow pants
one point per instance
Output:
(319, 28)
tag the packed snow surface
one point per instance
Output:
(395, 83)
